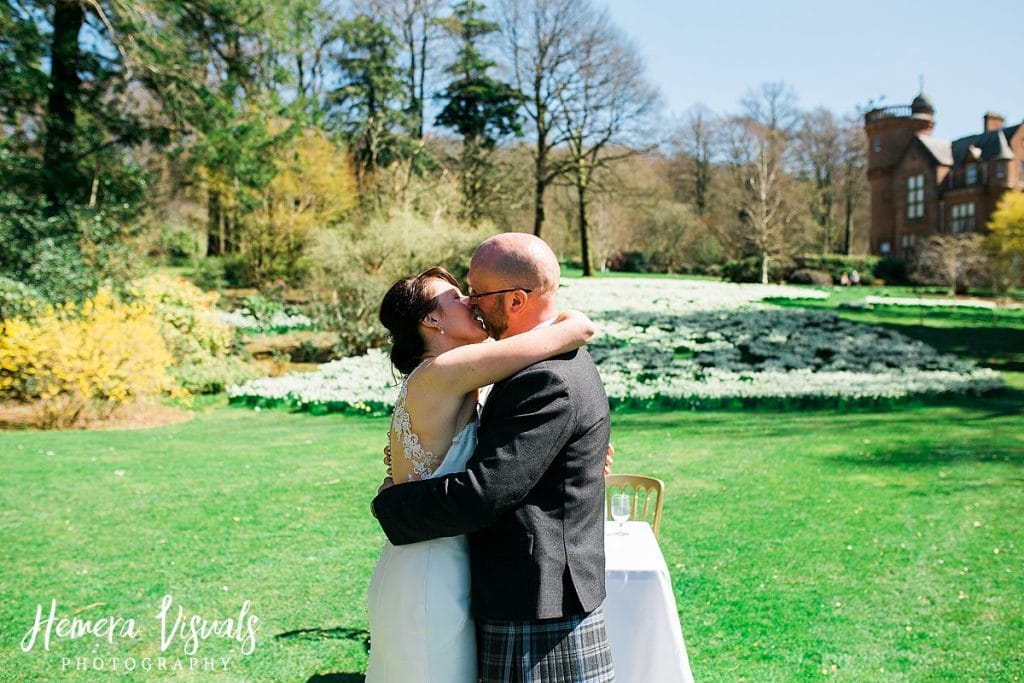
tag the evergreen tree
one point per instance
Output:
(368, 106)
(479, 107)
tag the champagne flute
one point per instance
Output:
(620, 509)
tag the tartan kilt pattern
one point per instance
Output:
(570, 650)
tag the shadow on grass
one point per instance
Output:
(999, 348)
(360, 635)
(336, 678)
(997, 343)
(944, 454)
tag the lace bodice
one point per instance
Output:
(425, 464)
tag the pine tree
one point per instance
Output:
(480, 108)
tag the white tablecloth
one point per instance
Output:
(640, 610)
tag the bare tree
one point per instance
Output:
(819, 160)
(758, 144)
(773, 106)
(853, 178)
(694, 145)
(312, 35)
(950, 259)
(415, 23)
(601, 111)
(541, 37)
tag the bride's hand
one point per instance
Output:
(385, 485)
(608, 460)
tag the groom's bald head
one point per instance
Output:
(520, 260)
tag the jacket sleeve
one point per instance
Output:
(528, 422)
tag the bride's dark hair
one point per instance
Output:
(401, 311)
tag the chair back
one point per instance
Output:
(646, 493)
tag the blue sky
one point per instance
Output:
(839, 55)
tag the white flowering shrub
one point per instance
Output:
(667, 342)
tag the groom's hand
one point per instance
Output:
(608, 460)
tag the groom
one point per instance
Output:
(532, 497)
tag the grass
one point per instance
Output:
(862, 545)
(796, 541)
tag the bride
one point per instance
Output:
(420, 626)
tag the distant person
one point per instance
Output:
(844, 279)
(855, 278)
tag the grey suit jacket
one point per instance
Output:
(531, 498)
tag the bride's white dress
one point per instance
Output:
(420, 628)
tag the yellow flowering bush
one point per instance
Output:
(199, 342)
(95, 356)
(190, 325)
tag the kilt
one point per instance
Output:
(570, 650)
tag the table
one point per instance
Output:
(640, 610)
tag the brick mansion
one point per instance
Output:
(921, 185)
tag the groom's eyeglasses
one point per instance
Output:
(480, 295)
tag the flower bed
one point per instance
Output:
(666, 342)
(279, 321)
(360, 384)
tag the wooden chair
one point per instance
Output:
(647, 494)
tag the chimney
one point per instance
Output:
(993, 121)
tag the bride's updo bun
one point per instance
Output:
(403, 308)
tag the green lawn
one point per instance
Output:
(797, 541)
(865, 545)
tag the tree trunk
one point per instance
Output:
(540, 170)
(421, 95)
(538, 196)
(581, 196)
(764, 268)
(214, 233)
(62, 181)
(848, 236)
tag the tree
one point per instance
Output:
(416, 25)
(600, 112)
(313, 188)
(1005, 242)
(820, 159)
(951, 259)
(694, 145)
(541, 37)
(480, 108)
(71, 195)
(853, 178)
(221, 82)
(368, 103)
(313, 34)
(831, 156)
(757, 146)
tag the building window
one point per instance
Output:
(884, 248)
(915, 196)
(907, 244)
(963, 217)
(1001, 170)
(972, 174)
(877, 145)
